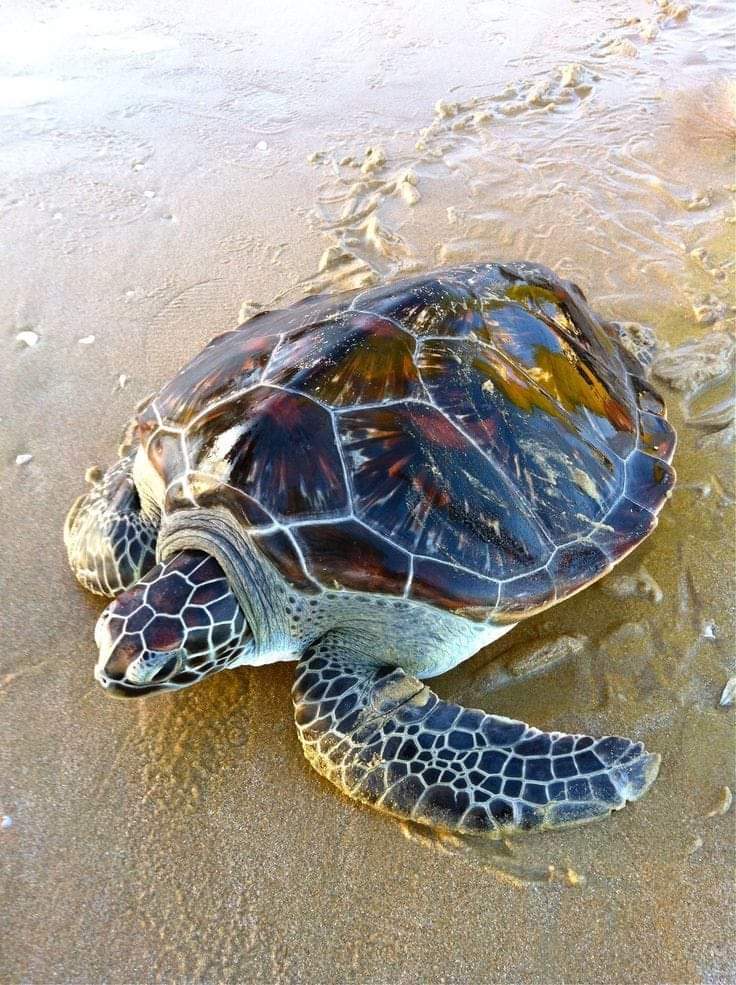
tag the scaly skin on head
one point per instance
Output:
(179, 624)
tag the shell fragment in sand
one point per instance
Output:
(725, 799)
(729, 693)
(28, 338)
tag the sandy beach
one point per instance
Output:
(169, 170)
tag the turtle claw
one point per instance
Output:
(634, 779)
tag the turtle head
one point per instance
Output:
(178, 624)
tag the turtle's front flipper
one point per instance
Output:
(386, 739)
(109, 542)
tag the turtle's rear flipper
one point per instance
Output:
(110, 544)
(386, 739)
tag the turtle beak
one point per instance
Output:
(119, 689)
(145, 675)
(124, 669)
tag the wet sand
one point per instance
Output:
(164, 171)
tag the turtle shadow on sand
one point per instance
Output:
(508, 862)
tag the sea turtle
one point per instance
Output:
(376, 485)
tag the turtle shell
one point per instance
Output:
(474, 439)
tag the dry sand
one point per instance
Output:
(166, 165)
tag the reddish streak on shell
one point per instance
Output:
(375, 326)
(147, 424)
(431, 493)
(283, 408)
(617, 415)
(439, 431)
(397, 468)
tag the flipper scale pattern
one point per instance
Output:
(386, 739)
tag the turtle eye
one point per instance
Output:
(154, 666)
(167, 670)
